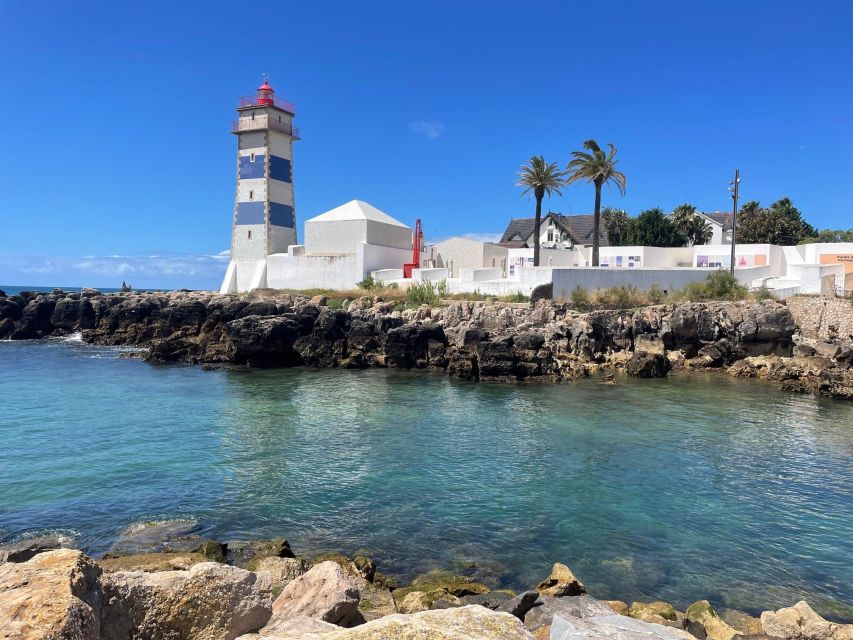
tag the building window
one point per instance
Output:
(550, 236)
(250, 234)
(279, 118)
(253, 115)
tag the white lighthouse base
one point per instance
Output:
(299, 271)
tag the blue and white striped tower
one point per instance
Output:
(264, 212)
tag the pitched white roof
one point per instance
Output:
(356, 210)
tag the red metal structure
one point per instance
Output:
(417, 244)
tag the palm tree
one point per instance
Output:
(539, 178)
(701, 231)
(682, 217)
(600, 169)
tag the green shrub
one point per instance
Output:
(763, 293)
(580, 297)
(420, 293)
(368, 284)
(719, 285)
(441, 289)
(655, 294)
(515, 297)
(621, 297)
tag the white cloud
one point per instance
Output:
(431, 129)
(161, 271)
(479, 237)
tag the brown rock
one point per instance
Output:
(54, 595)
(561, 582)
(324, 593)
(703, 613)
(618, 606)
(211, 601)
(152, 562)
(800, 622)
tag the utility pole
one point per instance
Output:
(734, 189)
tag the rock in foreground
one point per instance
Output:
(53, 595)
(800, 622)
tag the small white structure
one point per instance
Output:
(455, 254)
(340, 230)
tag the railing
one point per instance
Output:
(252, 101)
(247, 124)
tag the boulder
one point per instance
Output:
(152, 562)
(648, 365)
(520, 604)
(652, 611)
(280, 570)
(246, 554)
(546, 607)
(561, 582)
(617, 605)
(54, 595)
(702, 613)
(740, 621)
(612, 627)
(800, 622)
(464, 623)
(209, 602)
(23, 550)
(324, 593)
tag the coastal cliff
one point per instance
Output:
(543, 341)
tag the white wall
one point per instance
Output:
(311, 271)
(374, 258)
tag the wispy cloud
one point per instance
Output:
(479, 237)
(431, 129)
(166, 271)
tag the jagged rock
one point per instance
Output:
(740, 621)
(245, 554)
(152, 562)
(702, 613)
(651, 611)
(612, 627)
(171, 536)
(280, 570)
(264, 341)
(23, 550)
(546, 607)
(54, 595)
(800, 622)
(561, 582)
(520, 604)
(648, 365)
(465, 623)
(324, 592)
(208, 602)
(617, 605)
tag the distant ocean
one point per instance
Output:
(14, 289)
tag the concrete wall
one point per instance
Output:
(594, 278)
(456, 254)
(312, 271)
(389, 235)
(374, 258)
(523, 258)
(479, 275)
(334, 237)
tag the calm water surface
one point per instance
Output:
(700, 487)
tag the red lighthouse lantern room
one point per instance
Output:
(266, 93)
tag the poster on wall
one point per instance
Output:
(723, 262)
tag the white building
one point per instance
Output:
(342, 246)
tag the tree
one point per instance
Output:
(683, 218)
(781, 223)
(616, 223)
(539, 178)
(600, 169)
(653, 229)
(830, 235)
(700, 231)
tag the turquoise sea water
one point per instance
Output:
(688, 488)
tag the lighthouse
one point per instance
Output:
(264, 213)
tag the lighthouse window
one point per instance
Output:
(251, 157)
(251, 194)
(250, 234)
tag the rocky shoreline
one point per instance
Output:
(542, 341)
(161, 581)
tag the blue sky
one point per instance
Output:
(118, 163)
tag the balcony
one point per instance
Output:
(262, 122)
(252, 101)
